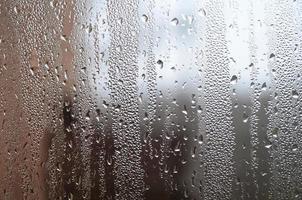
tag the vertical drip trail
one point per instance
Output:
(97, 160)
(199, 176)
(219, 131)
(146, 83)
(237, 35)
(285, 132)
(259, 100)
(123, 72)
(298, 61)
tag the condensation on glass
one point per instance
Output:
(150, 99)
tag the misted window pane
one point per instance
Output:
(150, 99)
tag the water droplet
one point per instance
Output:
(160, 64)
(295, 94)
(294, 147)
(234, 79)
(174, 21)
(263, 87)
(144, 18)
(245, 117)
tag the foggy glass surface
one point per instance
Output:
(150, 99)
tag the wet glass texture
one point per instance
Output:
(150, 99)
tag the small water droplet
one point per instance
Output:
(16, 10)
(184, 111)
(234, 79)
(144, 18)
(160, 64)
(245, 117)
(295, 94)
(174, 21)
(202, 12)
(89, 28)
(263, 87)
(294, 147)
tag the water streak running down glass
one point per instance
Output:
(150, 99)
